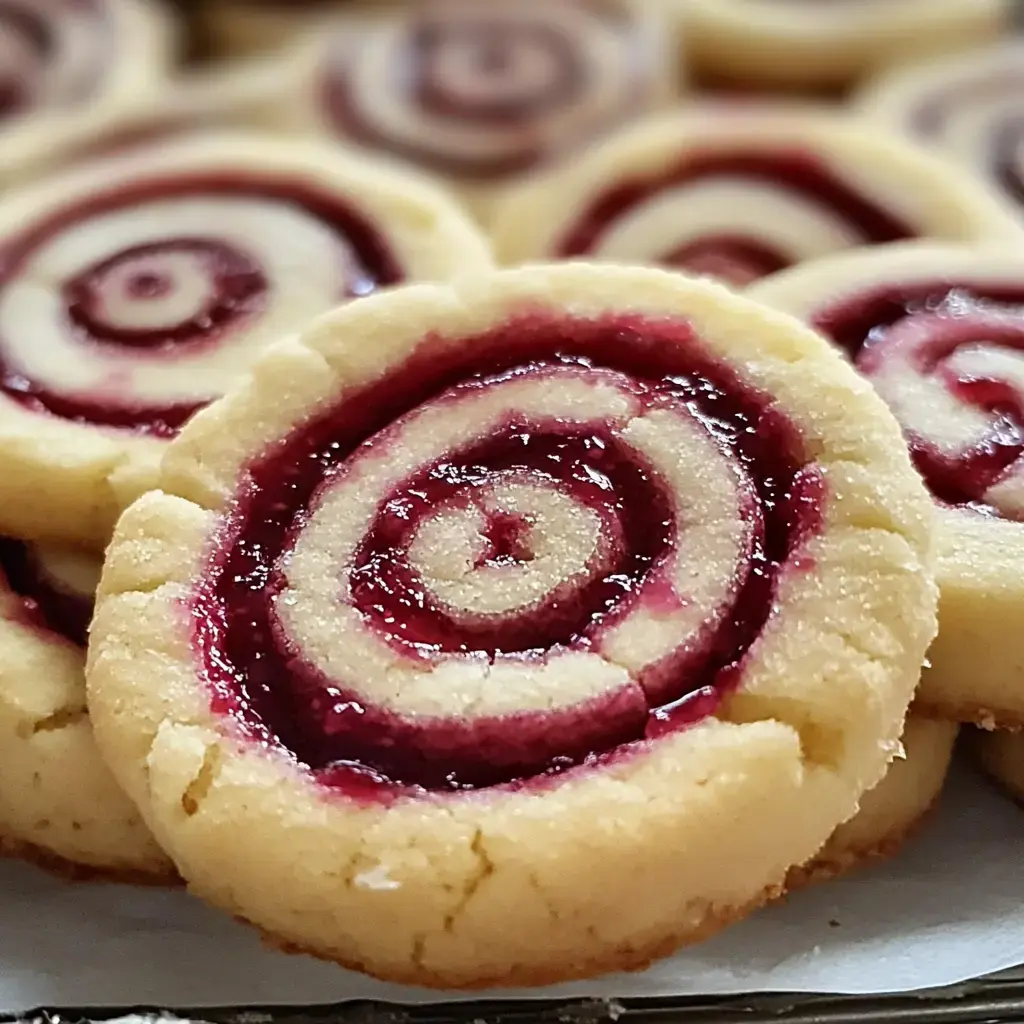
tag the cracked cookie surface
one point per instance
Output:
(133, 291)
(517, 630)
(59, 804)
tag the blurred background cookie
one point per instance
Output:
(483, 93)
(137, 289)
(738, 192)
(968, 107)
(939, 332)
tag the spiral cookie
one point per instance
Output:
(808, 43)
(545, 620)
(738, 193)
(134, 291)
(939, 332)
(890, 813)
(1001, 755)
(968, 107)
(59, 55)
(481, 91)
(59, 805)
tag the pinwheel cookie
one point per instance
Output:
(738, 192)
(517, 630)
(481, 93)
(136, 290)
(968, 107)
(891, 812)
(1001, 755)
(59, 804)
(808, 43)
(61, 57)
(939, 332)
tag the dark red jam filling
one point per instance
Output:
(45, 604)
(803, 174)
(971, 313)
(737, 261)
(238, 287)
(257, 674)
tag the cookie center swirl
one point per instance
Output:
(134, 308)
(165, 293)
(948, 358)
(492, 72)
(737, 216)
(52, 53)
(515, 554)
(488, 90)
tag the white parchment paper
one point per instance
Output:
(950, 907)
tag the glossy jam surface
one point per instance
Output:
(949, 319)
(801, 173)
(45, 604)
(262, 680)
(226, 287)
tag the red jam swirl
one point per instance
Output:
(236, 287)
(45, 605)
(258, 676)
(946, 318)
(802, 174)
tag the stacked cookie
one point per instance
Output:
(473, 626)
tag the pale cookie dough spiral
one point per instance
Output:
(827, 43)
(970, 108)
(736, 192)
(939, 332)
(481, 93)
(60, 57)
(59, 804)
(517, 630)
(134, 291)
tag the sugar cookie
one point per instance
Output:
(516, 630)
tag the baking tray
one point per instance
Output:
(998, 999)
